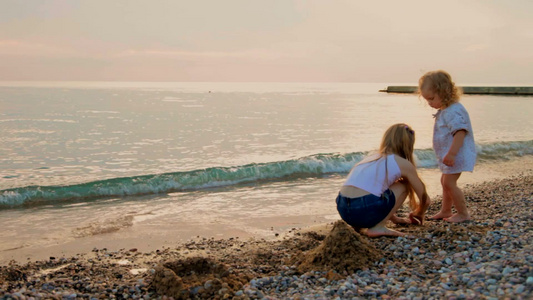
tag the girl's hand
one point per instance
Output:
(457, 143)
(416, 219)
(449, 160)
(417, 216)
(397, 220)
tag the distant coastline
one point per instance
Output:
(475, 90)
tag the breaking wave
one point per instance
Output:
(309, 166)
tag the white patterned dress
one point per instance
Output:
(447, 122)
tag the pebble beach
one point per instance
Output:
(490, 257)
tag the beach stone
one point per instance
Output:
(412, 289)
(445, 286)
(459, 260)
(520, 289)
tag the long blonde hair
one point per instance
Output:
(399, 139)
(440, 82)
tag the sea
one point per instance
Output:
(149, 164)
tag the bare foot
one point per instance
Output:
(383, 231)
(440, 215)
(397, 220)
(457, 218)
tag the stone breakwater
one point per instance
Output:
(488, 258)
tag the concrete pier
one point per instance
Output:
(477, 90)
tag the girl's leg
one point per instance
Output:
(400, 193)
(447, 201)
(458, 198)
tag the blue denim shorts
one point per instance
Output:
(365, 211)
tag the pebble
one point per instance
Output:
(482, 263)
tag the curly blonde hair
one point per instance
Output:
(440, 82)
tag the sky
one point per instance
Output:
(476, 41)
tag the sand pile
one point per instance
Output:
(343, 250)
(222, 276)
(197, 277)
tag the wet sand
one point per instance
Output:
(490, 256)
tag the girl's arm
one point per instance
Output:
(409, 172)
(457, 143)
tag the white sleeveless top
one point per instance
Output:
(369, 174)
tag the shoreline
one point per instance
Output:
(158, 235)
(488, 257)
